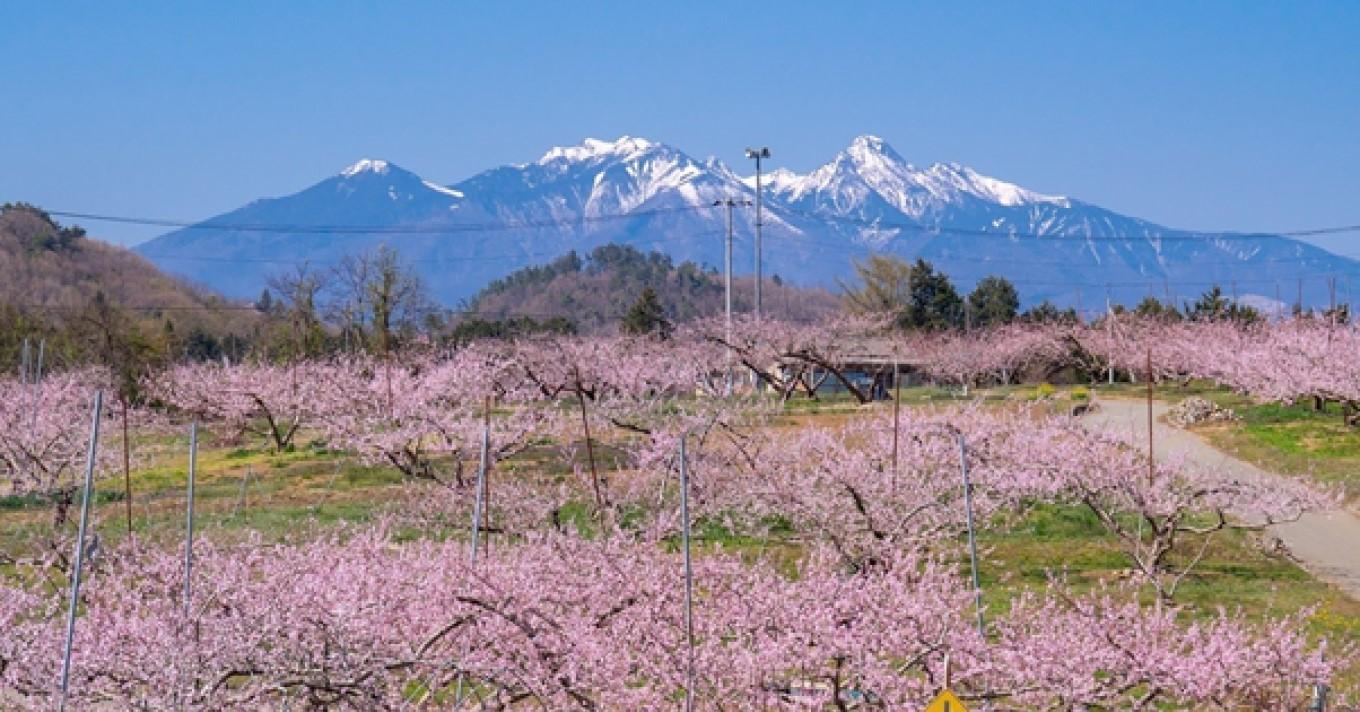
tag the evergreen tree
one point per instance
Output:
(1213, 306)
(646, 316)
(932, 301)
(1048, 313)
(993, 302)
(1152, 307)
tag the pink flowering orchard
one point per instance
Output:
(829, 557)
(559, 622)
(45, 438)
(266, 400)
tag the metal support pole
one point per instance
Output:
(727, 286)
(1109, 316)
(189, 519)
(80, 550)
(760, 274)
(127, 466)
(1152, 468)
(730, 204)
(241, 496)
(758, 154)
(689, 575)
(1319, 703)
(897, 417)
(479, 501)
(972, 536)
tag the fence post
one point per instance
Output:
(80, 550)
(689, 575)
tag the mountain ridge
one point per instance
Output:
(654, 196)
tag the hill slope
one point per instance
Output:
(594, 292)
(59, 285)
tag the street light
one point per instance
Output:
(758, 154)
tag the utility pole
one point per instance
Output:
(758, 154)
(1109, 323)
(727, 279)
(1152, 468)
(1332, 307)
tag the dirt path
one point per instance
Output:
(1327, 544)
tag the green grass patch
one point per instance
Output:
(1235, 573)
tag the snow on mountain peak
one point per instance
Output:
(870, 169)
(868, 147)
(777, 181)
(366, 165)
(593, 148)
(967, 180)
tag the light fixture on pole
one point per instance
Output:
(758, 154)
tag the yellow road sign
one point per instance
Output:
(946, 701)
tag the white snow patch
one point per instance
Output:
(779, 180)
(366, 165)
(593, 148)
(442, 189)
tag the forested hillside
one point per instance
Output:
(596, 290)
(92, 301)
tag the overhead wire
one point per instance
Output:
(375, 229)
(913, 229)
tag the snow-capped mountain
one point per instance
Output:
(653, 196)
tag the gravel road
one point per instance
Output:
(1327, 544)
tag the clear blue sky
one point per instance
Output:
(1206, 115)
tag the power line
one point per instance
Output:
(924, 228)
(429, 261)
(375, 229)
(914, 227)
(1008, 259)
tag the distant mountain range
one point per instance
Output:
(653, 196)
